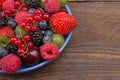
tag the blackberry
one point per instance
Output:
(12, 48)
(3, 21)
(33, 3)
(36, 37)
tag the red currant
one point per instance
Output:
(13, 40)
(29, 19)
(46, 16)
(30, 44)
(18, 42)
(38, 12)
(34, 28)
(22, 46)
(37, 18)
(24, 9)
(7, 12)
(23, 4)
(26, 37)
(21, 51)
(17, 4)
(28, 28)
(23, 25)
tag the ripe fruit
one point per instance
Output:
(10, 63)
(7, 31)
(26, 37)
(3, 52)
(52, 6)
(21, 17)
(63, 23)
(57, 39)
(46, 16)
(62, 3)
(32, 57)
(8, 5)
(43, 24)
(49, 51)
(37, 18)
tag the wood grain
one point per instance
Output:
(93, 52)
(94, 0)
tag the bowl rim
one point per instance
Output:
(39, 65)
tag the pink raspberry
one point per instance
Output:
(49, 51)
(8, 5)
(52, 6)
(21, 17)
(10, 63)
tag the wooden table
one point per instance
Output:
(93, 52)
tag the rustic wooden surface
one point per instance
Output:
(93, 52)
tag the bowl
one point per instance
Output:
(24, 68)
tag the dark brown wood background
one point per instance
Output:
(93, 52)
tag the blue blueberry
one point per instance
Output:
(31, 10)
(48, 33)
(43, 25)
(3, 52)
(11, 22)
(46, 39)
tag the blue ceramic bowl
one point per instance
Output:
(24, 68)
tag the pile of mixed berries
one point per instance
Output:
(31, 31)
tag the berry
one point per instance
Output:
(28, 28)
(32, 57)
(63, 10)
(30, 44)
(3, 21)
(36, 37)
(46, 39)
(62, 3)
(21, 17)
(43, 24)
(18, 42)
(21, 51)
(26, 37)
(38, 12)
(11, 22)
(29, 19)
(33, 3)
(52, 6)
(58, 40)
(10, 63)
(49, 51)
(3, 52)
(13, 40)
(23, 25)
(63, 23)
(17, 4)
(7, 31)
(8, 5)
(8, 12)
(34, 28)
(1, 1)
(37, 18)
(31, 10)
(12, 48)
(46, 16)
(48, 33)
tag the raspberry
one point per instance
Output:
(10, 63)
(49, 51)
(8, 5)
(21, 17)
(52, 6)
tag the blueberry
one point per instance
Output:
(3, 52)
(31, 10)
(46, 39)
(11, 22)
(48, 33)
(43, 25)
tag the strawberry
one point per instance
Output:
(63, 23)
(21, 17)
(8, 5)
(8, 31)
(52, 6)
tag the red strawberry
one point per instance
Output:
(8, 5)
(52, 6)
(63, 23)
(21, 16)
(8, 31)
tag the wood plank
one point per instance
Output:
(94, 0)
(93, 52)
